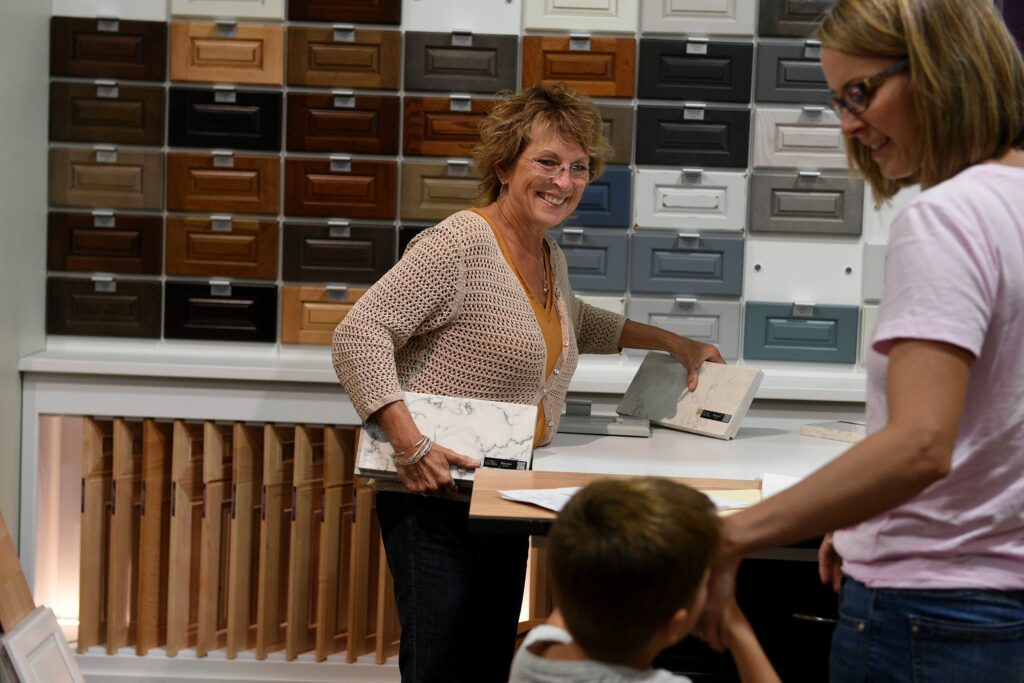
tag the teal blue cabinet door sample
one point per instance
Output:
(605, 202)
(803, 333)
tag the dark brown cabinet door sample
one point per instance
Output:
(228, 183)
(227, 53)
(599, 67)
(106, 178)
(344, 58)
(107, 242)
(225, 119)
(119, 114)
(331, 253)
(432, 190)
(102, 307)
(108, 48)
(357, 11)
(222, 247)
(220, 312)
(310, 314)
(443, 127)
(460, 62)
(340, 188)
(364, 124)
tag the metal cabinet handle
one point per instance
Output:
(814, 619)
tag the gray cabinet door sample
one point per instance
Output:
(703, 320)
(697, 70)
(596, 258)
(693, 136)
(458, 62)
(791, 18)
(433, 190)
(605, 201)
(687, 264)
(790, 71)
(873, 272)
(802, 333)
(806, 202)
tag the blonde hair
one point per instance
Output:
(966, 80)
(507, 130)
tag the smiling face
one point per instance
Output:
(887, 127)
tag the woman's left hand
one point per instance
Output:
(691, 354)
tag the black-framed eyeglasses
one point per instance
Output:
(552, 168)
(856, 97)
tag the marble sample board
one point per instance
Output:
(837, 430)
(498, 434)
(723, 396)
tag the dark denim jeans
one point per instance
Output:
(927, 636)
(459, 594)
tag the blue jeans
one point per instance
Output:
(458, 594)
(890, 635)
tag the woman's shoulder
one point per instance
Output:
(460, 228)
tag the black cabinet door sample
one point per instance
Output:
(221, 312)
(698, 71)
(225, 119)
(693, 136)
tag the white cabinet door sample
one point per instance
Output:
(691, 201)
(710, 17)
(795, 137)
(802, 271)
(616, 16)
(143, 10)
(261, 9)
(445, 16)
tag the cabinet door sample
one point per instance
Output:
(807, 137)
(698, 17)
(810, 202)
(363, 124)
(211, 617)
(229, 183)
(222, 247)
(873, 279)
(693, 136)
(791, 18)
(691, 200)
(349, 189)
(118, 243)
(460, 62)
(618, 132)
(344, 58)
(581, 15)
(185, 534)
(97, 468)
(703, 320)
(105, 307)
(868, 318)
(109, 112)
(687, 264)
(227, 53)
(795, 269)
(221, 312)
(225, 119)
(802, 333)
(596, 258)
(435, 126)
(310, 314)
(328, 253)
(346, 11)
(715, 71)
(246, 486)
(790, 71)
(599, 67)
(248, 9)
(306, 528)
(125, 518)
(108, 48)
(103, 178)
(154, 540)
(275, 538)
(605, 201)
(432, 190)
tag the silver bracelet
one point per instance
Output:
(423, 447)
(398, 454)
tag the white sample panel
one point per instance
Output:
(874, 272)
(260, 9)
(712, 17)
(802, 271)
(868, 318)
(38, 652)
(685, 202)
(147, 10)
(446, 16)
(619, 16)
(615, 304)
(877, 221)
(798, 137)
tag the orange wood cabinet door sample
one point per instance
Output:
(365, 124)
(340, 188)
(356, 11)
(123, 548)
(604, 69)
(223, 183)
(216, 53)
(154, 536)
(185, 534)
(97, 469)
(433, 190)
(344, 58)
(310, 314)
(104, 242)
(211, 619)
(106, 178)
(106, 112)
(275, 539)
(436, 126)
(108, 48)
(246, 509)
(222, 246)
(103, 307)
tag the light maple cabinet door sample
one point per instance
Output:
(97, 469)
(185, 531)
(224, 312)
(103, 307)
(597, 259)
(433, 190)
(598, 67)
(794, 268)
(346, 11)
(225, 119)
(306, 528)
(691, 200)
(695, 264)
(332, 57)
(696, 70)
(154, 540)
(805, 333)
(211, 619)
(798, 137)
(223, 183)
(206, 52)
(617, 124)
(703, 320)
(310, 314)
(125, 519)
(225, 247)
(248, 9)
(363, 124)
(108, 112)
(811, 202)
(791, 18)
(114, 243)
(108, 48)
(581, 15)
(106, 178)
(443, 127)
(246, 486)
(606, 200)
(789, 71)
(275, 539)
(693, 136)
(460, 62)
(340, 188)
(327, 253)
(698, 17)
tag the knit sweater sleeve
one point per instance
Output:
(597, 330)
(421, 293)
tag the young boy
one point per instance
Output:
(629, 560)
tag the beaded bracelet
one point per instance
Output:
(423, 447)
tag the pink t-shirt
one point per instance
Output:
(955, 273)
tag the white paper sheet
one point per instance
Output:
(773, 483)
(555, 499)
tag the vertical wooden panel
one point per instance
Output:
(335, 542)
(275, 528)
(154, 536)
(307, 523)
(246, 509)
(16, 601)
(185, 533)
(97, 465)
(388, 629)
(122, 549)
(363, 593)
(541, 602)
(217, 464)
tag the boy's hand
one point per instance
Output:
(830, 564)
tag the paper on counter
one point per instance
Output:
(555, 499)
(774, 483)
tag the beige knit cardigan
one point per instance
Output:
(452, 318)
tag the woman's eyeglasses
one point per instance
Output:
(551, 168)
(856, 97)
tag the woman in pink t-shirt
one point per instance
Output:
(929, 509)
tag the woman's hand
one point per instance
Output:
(830, 564)
(431, 475)
(714, 624)
(691, 354)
